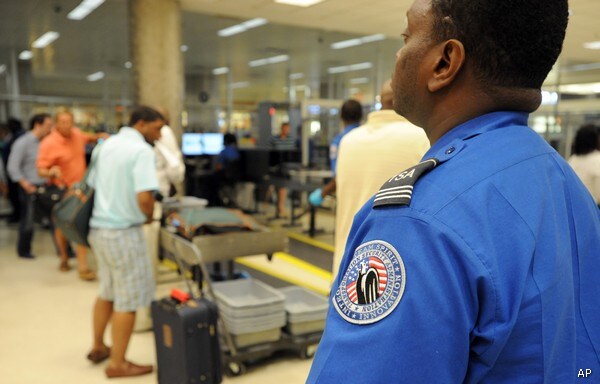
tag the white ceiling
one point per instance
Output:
(100, 42)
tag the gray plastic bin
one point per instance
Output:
(306, 311)
(247, 297)
(303, 305)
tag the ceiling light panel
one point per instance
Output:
(359, 80)
(25, 55)
(580, 89)
(96, 76)
(358, 41)
(592, 45)
(269, 60)
(46, 39)
(299, 3)
(241, 84)
(242, 27)
(350, 68)
(220, 71)
(85, 8)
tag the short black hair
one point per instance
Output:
(14, 125)
(38, 118)
(509, 43)
(586, 140)
(144, 113)
(351, 111)
(229, 139)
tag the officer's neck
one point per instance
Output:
(463, 105)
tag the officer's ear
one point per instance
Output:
(449, 60)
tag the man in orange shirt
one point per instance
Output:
(61, 159)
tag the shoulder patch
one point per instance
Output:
(398, 190)
(372, 285)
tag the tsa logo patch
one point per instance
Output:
(373, 284)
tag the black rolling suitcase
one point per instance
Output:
(187, 341)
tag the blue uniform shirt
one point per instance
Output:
(335, 145)
(227, 155)
(489, 275)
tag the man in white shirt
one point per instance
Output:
(368, 156)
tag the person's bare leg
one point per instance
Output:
(122, 327)
(61, 244)
(281, 198)
(103, 311)
(81, 252)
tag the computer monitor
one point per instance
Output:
(198, 144)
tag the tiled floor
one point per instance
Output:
(45, 325)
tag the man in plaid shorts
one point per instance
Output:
(124, 179)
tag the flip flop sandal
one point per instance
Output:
(97, 357)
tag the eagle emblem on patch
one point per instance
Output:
(372, 285)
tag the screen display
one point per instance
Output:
(197, 144)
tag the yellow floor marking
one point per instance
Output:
(310, 241)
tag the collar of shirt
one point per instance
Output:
(350, 127)
(132, 133)
(384, 116)
(453, 141)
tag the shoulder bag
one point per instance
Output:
(72, 214)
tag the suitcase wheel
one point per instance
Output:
(235, 369)
(308, 352)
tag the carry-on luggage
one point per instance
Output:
(187, 341)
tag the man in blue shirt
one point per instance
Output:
(481, 263)
(351, 115)
(124, 178)
(22, 170)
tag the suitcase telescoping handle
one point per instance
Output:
(178, 294)
(182, 245)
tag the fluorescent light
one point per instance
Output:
(220, 71)
(299, 3)
(2, 68)
(359, 80)
(346, 44)
(45, 39)
(296, 76)
(128, 64)
(358, 41)
(25, 55)
(85, 8)
(242, 27)
(592, 45)
(241, 84)
(349, 68)
(96, 76)
(233, 30)
(184, 48)
(549, 98)
(581, 67)
(269, 60)
(580, 89)
(253, 23)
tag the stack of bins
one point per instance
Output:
(306, 311)
(253, 312)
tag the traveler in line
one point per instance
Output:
(22, 169)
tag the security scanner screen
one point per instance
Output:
(198, 144)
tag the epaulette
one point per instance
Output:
(398, 190)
